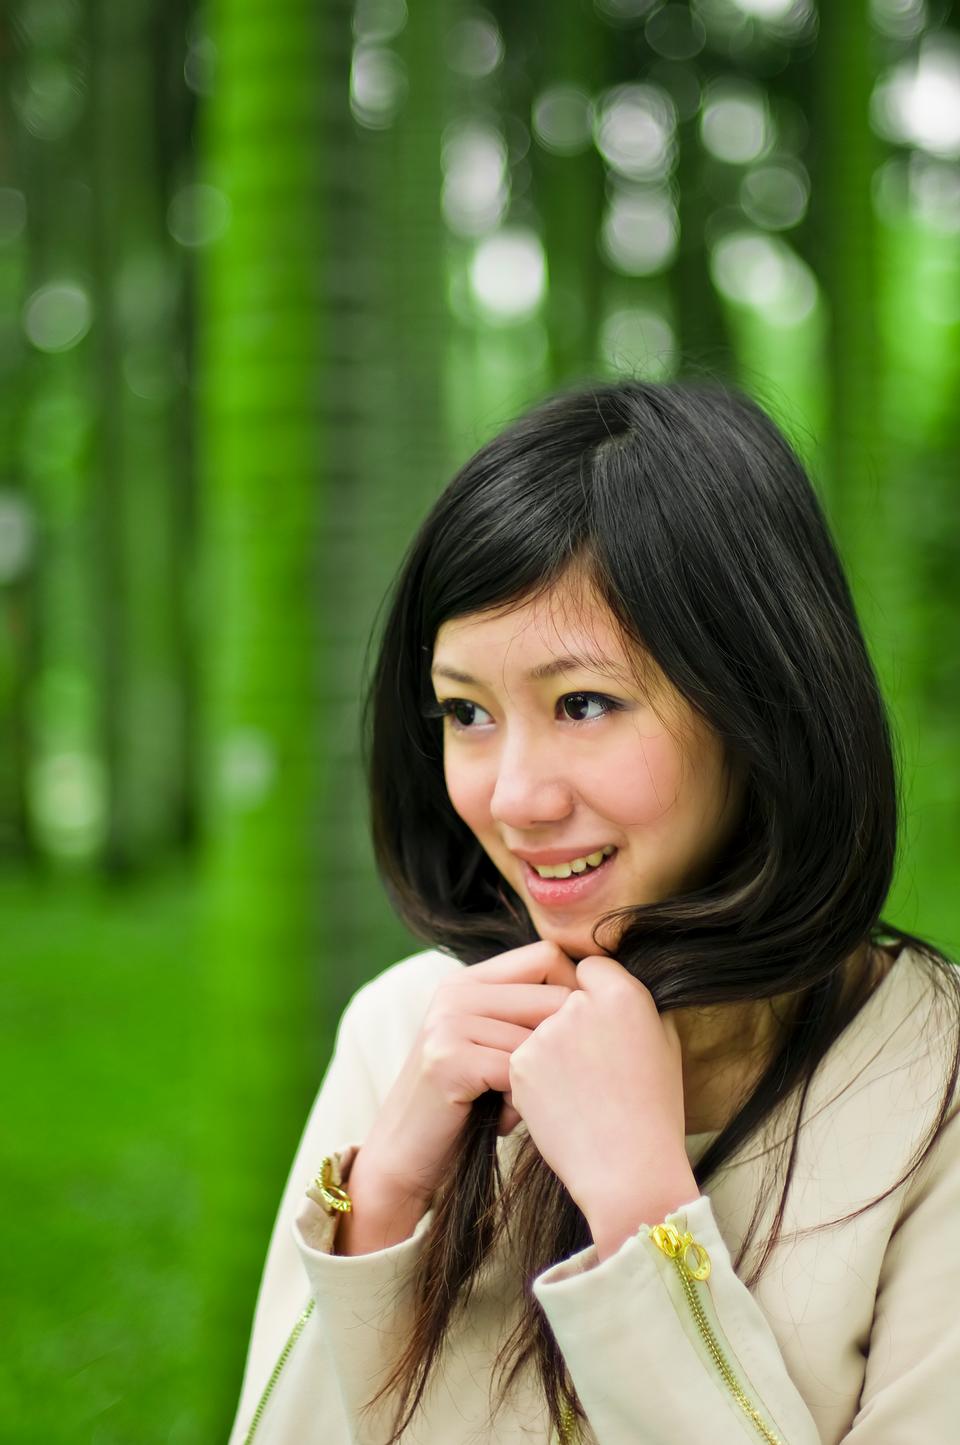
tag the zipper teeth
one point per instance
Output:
(569, 1429)
(675, 1246)
(721, 1361)
(268, 1388)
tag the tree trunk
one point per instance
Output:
(263, 440)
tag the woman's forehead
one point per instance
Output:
(559, 617)
(572, 597)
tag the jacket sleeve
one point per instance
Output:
(325, 1320)
(635, 1343)
(365, 1304)
(911, 1389)
(653, 1349)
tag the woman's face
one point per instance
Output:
(565, 764)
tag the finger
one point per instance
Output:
(595, 971)
(492, 1068)
(493, 1033)
(539, 962)
(527, 1004)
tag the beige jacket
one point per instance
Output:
(851, 1334)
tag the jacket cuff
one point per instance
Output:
(618, 1320)
(700, 1222)
(339, 1279)
(364, 1304)
(320, 1228)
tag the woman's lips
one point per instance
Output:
(561, 892)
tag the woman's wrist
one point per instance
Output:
(615, 1216)
(382, 1213)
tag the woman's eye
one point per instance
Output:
(463, 714)
(583, 700)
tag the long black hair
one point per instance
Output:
(699, 528)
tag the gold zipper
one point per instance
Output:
(268, 1388)
(677, 1246)
(569, 1429)
(568, 1426)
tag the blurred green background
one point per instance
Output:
(268, 274)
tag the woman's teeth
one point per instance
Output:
(575, 865)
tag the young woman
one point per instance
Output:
(658, 1141)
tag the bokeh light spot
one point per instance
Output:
(508, 274)
(152, 372)
(902, 19)
(638, 341)
(16, 535)
(735, 123)
(48, 97)
(198, 215)
(57, 315)
(763, 272)
(475, 46)
(634, 131)
(246, 768)
(563, 119)
(378, 86)
(67, 796)
(144, 290)
(776, 195)
(675, 32)
(918, 187)
(935, 194)
(476, 185)
(200, 66)
(375, 21)
(13, 214)
(917, 102)
(640, 231)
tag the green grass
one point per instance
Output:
(99, 1040)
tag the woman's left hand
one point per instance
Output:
(599, 1085)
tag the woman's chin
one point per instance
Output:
(576, 945)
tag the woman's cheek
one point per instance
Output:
(465, 791)
(640, 783)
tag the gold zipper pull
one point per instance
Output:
(679, 1246)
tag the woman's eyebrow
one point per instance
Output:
(557, 665)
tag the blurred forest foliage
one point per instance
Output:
(268, 274)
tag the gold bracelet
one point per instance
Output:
(330, 1196)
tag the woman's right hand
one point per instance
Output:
(475, 1020)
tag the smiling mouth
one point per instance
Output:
(560, 891)
(588, 863)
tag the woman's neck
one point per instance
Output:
(727, 1047)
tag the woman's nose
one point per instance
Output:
(529, 790)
